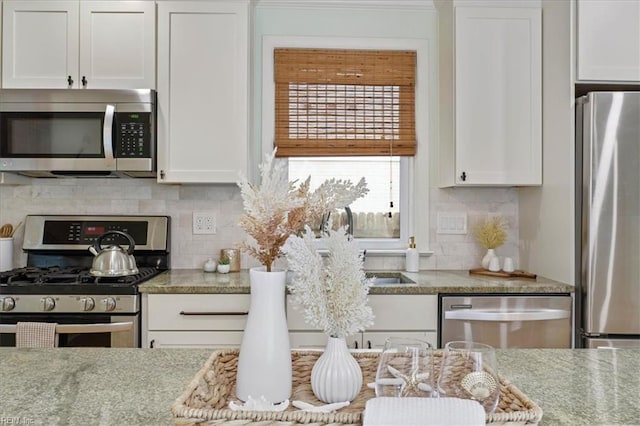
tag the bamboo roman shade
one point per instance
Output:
(333, 102)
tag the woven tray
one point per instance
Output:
(205, 400)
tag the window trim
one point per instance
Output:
(417, 203)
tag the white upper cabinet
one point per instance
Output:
(498, 96)
(72, 44)
(608, 41)
(203, 66)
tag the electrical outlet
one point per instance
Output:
(452, 223)
(204, 223)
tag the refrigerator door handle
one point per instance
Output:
(507, 316)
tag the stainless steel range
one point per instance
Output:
(58, 286)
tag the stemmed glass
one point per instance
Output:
(405, 368)
(469, 370)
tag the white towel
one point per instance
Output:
(387, 411)
(36, 335)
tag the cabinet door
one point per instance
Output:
(309, 340)
(40, 44)
(202, 91)
(207, 312)
(117, 44)
(498, 96)
(193, 339)
(608, 40)
(376, 339)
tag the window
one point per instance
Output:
(349, 114)
(414, 173)
(370, 214)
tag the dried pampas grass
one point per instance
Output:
(491, 233)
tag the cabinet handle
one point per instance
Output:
(161, 174)
(84, 81)
(70, 81)
(152, 343)
(368, 344)
(463, 176)
(213, 313)
(355, 344)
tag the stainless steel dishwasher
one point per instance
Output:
(522, 321)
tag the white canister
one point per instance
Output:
(494, 264)
(6, 254)
(508, 265)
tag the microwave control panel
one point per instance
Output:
(133, 130)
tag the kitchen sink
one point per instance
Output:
(389, 278)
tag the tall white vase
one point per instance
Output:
(264, 363)
(336, 376)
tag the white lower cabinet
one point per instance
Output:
(407, 315)
(218, 321)
(194, 320)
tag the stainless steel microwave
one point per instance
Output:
(78, 132)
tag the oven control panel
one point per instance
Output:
(31, 303)
(52, 232)
(87, 232)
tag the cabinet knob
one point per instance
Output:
(161, 174)
(84, 81)
(152, 343)
(70, 81)
(463, 176)
(355, 344)
(368, 344)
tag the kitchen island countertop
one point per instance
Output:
(196, 281)
(136, 387)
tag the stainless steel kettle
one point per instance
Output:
(113, 261)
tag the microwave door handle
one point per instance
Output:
(107, 132)
(507, 316)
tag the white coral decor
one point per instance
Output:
(333, 292)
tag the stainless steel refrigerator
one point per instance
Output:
(607, 222)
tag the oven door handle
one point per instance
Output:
(187, 313)
(507, 316)
(111, 327)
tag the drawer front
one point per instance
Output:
(404, 312)
(392, 312)
(198, 311)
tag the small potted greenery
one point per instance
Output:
(223, 265)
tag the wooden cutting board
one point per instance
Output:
(515, 274)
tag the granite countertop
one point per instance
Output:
(136, 387)
(425, 282)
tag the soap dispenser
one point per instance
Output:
(412, 258)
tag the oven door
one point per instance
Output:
(120, 339)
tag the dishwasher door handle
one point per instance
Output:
(497, 315)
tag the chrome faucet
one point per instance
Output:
(349, 220)
(325, 220)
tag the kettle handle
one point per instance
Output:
(98, 242)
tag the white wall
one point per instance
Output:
(547, 212)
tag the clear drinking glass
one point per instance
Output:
(405, 368)
(469, 370)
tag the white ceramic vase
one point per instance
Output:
(264, 363)
(336, 376)
(486, 260)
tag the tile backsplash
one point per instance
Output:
(145, 196)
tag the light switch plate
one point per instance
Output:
(204, 223)
(452, 223)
